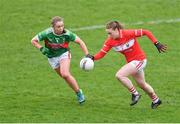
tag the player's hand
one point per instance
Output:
(90, 56)
(160, 47)
(44, 51)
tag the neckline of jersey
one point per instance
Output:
(57, 34)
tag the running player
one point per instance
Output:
(56, 39)
(125, 42)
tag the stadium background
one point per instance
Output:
(30, 91)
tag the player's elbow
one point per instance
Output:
(33, 41)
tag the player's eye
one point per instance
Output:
(109, 33)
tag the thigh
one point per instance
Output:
(127, 70)
(58, 71)
(139, 77)
(65, 65)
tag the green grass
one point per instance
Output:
(30, 91)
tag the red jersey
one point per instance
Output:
(126, 44)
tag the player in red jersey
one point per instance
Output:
(125, 42)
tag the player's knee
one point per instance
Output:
(65, 75)
(119, 76)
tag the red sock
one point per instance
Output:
(133, 90)
(154, 97)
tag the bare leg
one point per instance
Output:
(123, 73)
(64, 72)
(140, 80)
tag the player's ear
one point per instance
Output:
(64, 30)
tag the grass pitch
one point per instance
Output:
(30, 91)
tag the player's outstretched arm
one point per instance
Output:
(159, 46)
(82, 45)
(104, 50)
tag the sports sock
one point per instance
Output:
(133, 91)
(154, 98)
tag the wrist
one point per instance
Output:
(90, 56)
(157, 42)
(41, 48)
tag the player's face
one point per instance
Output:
(59, 27)
(113, 33)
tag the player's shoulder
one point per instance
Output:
(129, 30)
(108, 41)
(67, 32)
(48, 30)
(126, 30)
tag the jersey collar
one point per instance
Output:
(120, 33)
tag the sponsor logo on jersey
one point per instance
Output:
(125, 46)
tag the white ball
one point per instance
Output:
(87, 64)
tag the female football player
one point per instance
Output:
(56, 39)
(125, 42)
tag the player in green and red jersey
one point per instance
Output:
(57, 39)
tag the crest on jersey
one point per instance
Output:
(127, 45)
(57, 40)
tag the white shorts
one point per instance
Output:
(139, 64)
(55, 61)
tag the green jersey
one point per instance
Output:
(57, 44)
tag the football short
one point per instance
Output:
(55, 61)
(139, 64)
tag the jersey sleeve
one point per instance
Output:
(139, 33)
(150, 36)
(104, 50)
(71, 36)
(42, 36)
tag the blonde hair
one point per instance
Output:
(56, 19)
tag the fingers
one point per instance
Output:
(163, 48)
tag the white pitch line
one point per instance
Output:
(94, 27)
